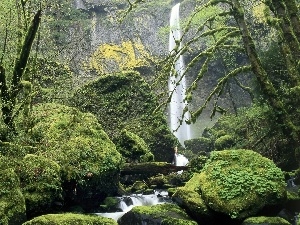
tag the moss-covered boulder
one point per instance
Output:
(125, 101)
(189, 198)
(133, 148)
(41, 184)
(162, 214)
(224, 142)
(76, 141)
(12, 201)
(70, 219)
(197, 145)
(262, 220)
(239, 183)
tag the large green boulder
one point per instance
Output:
(40, 184)
(133, 148)
(88, 159)
(262, 220)
(125, 101)
(240, 182)
(164, 214)
(12, 201)
(189, 198)
(70, 219)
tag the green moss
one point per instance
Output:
(77, 142)
(224, 142)
(40, 182)
(125, 101)
(265, 220)
(165, 212)
(199, 144)
(133, 147)
(12, 202)
(240, 182)
(53, 81)
(190, 198)
(70, 219)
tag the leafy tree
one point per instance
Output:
(229, 33)
(11, 85)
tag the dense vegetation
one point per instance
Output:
(63, 140)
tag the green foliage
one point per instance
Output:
(240, 182)
(12, 202)
(52, 81)
(254, 128)
(197, 163)
(40, 182)
(70, 219)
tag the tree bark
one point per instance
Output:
(289, 43)
(8, 96)
(268, 90)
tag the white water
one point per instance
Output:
(177, 104)
(126, 203)
(180, 160)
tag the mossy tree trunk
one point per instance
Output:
(267, 88)
(9, 93)
(287, 24)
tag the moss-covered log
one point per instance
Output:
(150, 168)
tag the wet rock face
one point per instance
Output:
(148, 22)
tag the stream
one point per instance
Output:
(126, 203)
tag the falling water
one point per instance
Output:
(177, 104)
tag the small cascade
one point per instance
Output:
(126, 203)
(177, 104)
(181, 160)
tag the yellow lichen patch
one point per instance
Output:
(126, 56)
(258, 12)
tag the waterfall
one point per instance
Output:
(177, 104)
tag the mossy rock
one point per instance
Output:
(139, 187)
(133, 148)
(70, 219)
(41, 184)
(125, 101)
(163, 214)
(240, 182)
(12, 201)
(197, 145)
(88, 159)
(224, 142)
(189, 198)
(262, 220)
